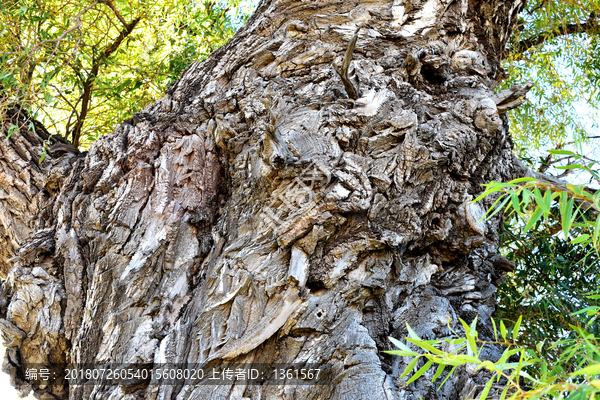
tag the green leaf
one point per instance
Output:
(580, 239)
(514, 197)
(593, 369)
(498, 208)
(425, 346)
(486, 389)
(473, 325)
(399, 344)
(548, 202)
(534, 218)
(577, 189)
(447, 376)
(403, 353)
(570, 166)
(587, 310)
(420, 372)
(504, 392)
(472, 346)
(438, 372)
(412, 333)
(495, 330)
(410, 367)
(524, 179)
(596, 231)
(515, 331)
(540, 201)
(11, 130)
(566, 210)
(466, 359)
(561, 152)
(502, 330)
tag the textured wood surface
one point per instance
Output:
(256, 213)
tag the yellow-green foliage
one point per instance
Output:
(81, 67)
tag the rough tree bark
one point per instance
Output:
(259, 213)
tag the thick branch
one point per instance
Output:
(549, 179)
(89, 82)
(563, 30)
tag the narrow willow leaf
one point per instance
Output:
(399, 344)
(412, 333)
(495, 330)
(503, 366)
(593, 369)
(502, 330)
(425, 346)
(438, 372)
(473, 326)
(596, 231)
(446, 360)
(446, 378)
(466, 359)
(504, 392)
(515, 331)
(524, 179)
(534, 218)
(514, 197)
(486, 389)
(561, 152)
(498, 208)
(547, 202)
(420, 372)
(471, 349)
(565, 212)
(11, 130)
(580, 239)
(586, 310)
(403, 353)
(577, 189)
(487, 193)
(527, 195)
(410, 367)
(571, 166)
(544, 370)
(538, 196)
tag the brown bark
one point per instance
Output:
(257, 214)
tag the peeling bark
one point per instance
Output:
(256, 213)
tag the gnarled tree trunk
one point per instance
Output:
(273, 207)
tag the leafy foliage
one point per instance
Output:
(521, 372)
(556, 45)
(81, 67)
(554, 232)
(552, 281)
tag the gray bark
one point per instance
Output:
(258, 213)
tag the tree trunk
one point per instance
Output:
(273, 208)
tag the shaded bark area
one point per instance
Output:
(256, 213)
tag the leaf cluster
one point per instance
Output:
(521, 372)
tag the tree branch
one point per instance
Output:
(556, 182)
(110, 4)
(563, 30)
(89, 82)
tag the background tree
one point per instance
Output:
(80, 68)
